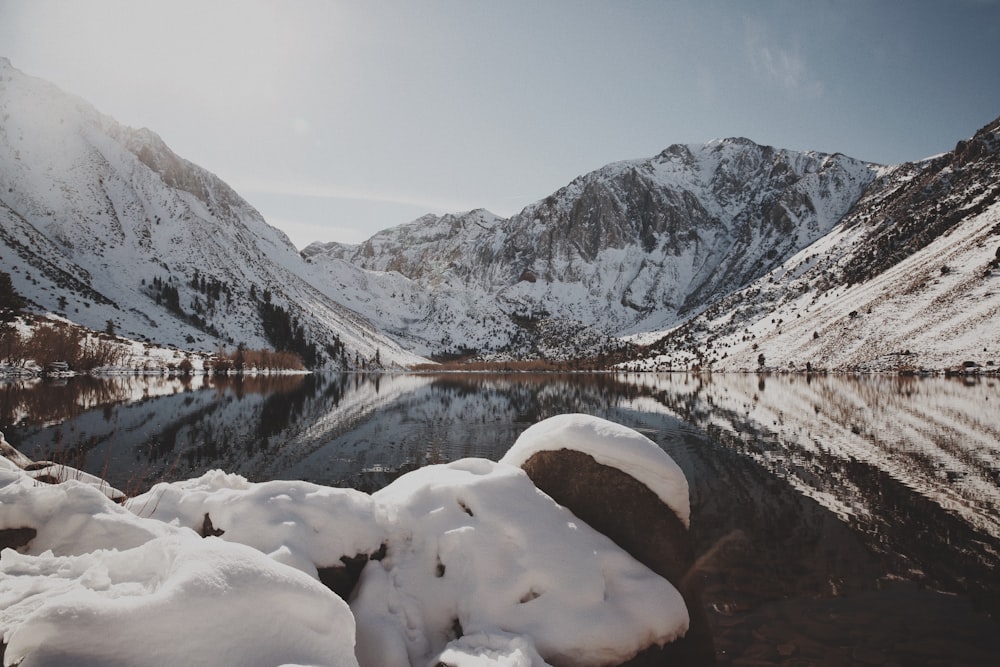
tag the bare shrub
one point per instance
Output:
(260, 360)
(54, 342)
(98, 352)
(11, 345)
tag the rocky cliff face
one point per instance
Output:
(635, 246)
(906, 281)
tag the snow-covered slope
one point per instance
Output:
(726, 255)
(635, 246)
(104, 223)
(909, 280)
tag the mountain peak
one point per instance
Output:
(102, 223)
(734, 141)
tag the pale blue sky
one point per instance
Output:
(338, 119)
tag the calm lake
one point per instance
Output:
(839, 520)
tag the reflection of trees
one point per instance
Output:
(531, 397)
(188, 431)
(282, 408)
(241, 385)
(48, 401)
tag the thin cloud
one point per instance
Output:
(786, 67)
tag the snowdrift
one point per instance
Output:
(466, 564)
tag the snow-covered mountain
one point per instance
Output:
(908, 280)
(635, 246)
(105, 225)
(725, 255)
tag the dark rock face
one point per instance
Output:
(208, 530)
(629, 513)
(342, 579)
(15, 538)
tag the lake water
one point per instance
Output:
(838, 520)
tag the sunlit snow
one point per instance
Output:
(471, 565)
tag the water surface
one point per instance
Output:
(839, 520)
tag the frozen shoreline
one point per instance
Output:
(466, 563)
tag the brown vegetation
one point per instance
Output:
(63, 346)
(242, 359)
(53, 342)
(528, 366)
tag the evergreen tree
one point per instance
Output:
(11, 303)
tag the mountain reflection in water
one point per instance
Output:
(839, 519)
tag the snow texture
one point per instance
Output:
(91, 212)
(471, 565)
(480, 548)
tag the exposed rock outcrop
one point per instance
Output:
(626, 487)
(627, 511)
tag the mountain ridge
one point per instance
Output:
(676, 261)
(107, 225)
(633, 246)
(906, 282)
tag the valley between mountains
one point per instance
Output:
(725, 256)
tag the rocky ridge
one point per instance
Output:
(107, 226)
(907, 281)
(636, 246)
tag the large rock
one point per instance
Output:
(629, 511)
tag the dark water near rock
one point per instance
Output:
(838, 520)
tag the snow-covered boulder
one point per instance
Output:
(478, 552)
(612, 445)
(626, 487)
(97, 585)
(307, 526)
(176, 599)
(70, 518)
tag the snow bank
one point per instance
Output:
(100, 585)
(71, 518)
(299, 524)
(612, 445)
(467, 564)
(175, 599)
(478, 549)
